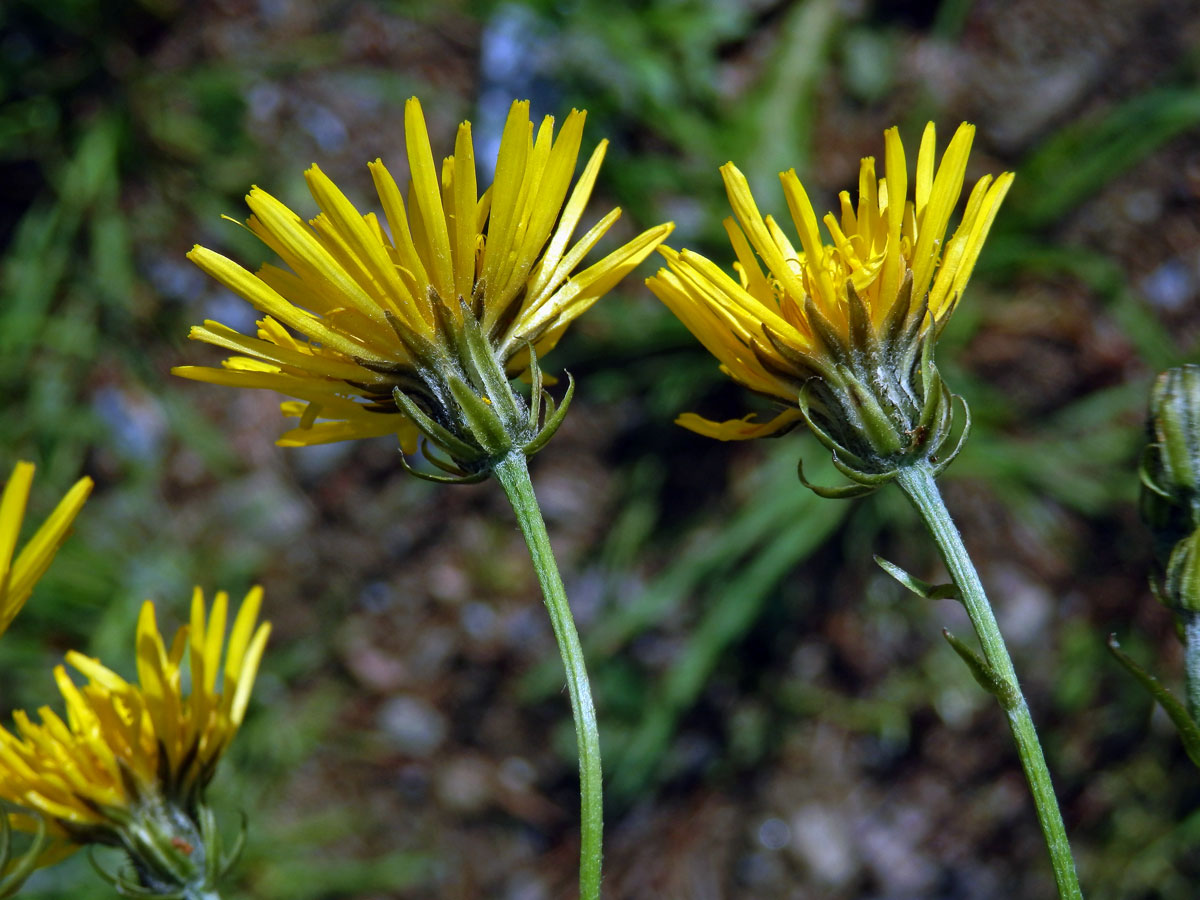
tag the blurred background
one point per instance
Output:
(780, 719)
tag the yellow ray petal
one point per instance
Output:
(744, 207)
(12, 511)
(466, 199)
(823, 291)
(897, 190)
(549, 268)
(362, 243)
(743, 429)
(925, 165)
(410, 260)
(546, 199)
(264, 298)
(427, 192)
(947, 188)
(295, 241)
(17, 578)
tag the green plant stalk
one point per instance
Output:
(200, 894)
(513, 474)
(917, 482)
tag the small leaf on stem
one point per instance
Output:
(987, 677)
(916, 585)
(1188, 730)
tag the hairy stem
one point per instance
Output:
(918, 484)
(1191, 658)
(513, 474)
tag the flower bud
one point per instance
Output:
(1170, 507)
(1170, 476)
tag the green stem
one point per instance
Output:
(918, 484)
(197, 893)
(1191, 659)
(513, 474)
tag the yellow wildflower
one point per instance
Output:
(841, 330)
(371, 329)
(17, 577)
(130, 762)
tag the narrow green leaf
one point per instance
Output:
(1189, 732)
(921, 588)
(983, 673)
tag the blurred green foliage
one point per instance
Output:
(127, 129)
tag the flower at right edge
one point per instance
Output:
(129, 764)
(843, 333)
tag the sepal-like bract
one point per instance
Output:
(483, 419)
(884, 404)
(16, 869)
(173, 854)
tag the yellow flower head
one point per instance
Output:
(17, 577)
(872, 297)
(126, 752)
(365, 312)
